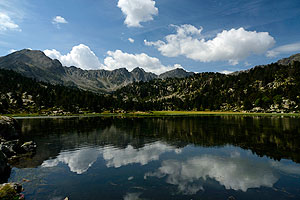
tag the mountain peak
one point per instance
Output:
(33, 57)
(178, 72)
(138, 69)
(289, 60)
(35, 64)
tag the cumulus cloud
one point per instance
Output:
(80, 56)
(137, 11)
(232, 46)
(118, 59)
(131, 40)
(78, 161)
(59, 20)
(233, 173)
(284, 49)
(226, 72)
(122, 157)
(6, 23)
(12, 50)
(83, 57)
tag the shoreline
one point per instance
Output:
(153, 114)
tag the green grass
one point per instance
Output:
(196, 113)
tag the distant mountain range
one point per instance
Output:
(264, 88)
(35, 64)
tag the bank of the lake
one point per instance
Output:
(151, 114)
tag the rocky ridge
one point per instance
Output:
(35, 64)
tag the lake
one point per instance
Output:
(207, 157)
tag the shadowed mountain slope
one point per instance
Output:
(35, 64)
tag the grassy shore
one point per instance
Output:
(155, 114)
(200, 113)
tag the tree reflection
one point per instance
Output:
(274, 137)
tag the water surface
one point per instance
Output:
(208, 157)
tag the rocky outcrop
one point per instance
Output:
(10, 191)
(176, 73)
(14, 148)
(4, 168)
(11, 147)
(289, 60)
(9, 128)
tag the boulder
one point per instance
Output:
(28, 146)
(9, 128)
(15, 148)
(4, 168)
(10, 191)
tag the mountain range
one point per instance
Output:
(35, 64)
(33, 83)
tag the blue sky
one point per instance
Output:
(198, 35)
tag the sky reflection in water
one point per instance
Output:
(139, 164)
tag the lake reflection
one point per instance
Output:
(162, 158)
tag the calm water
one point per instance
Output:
(162, 158)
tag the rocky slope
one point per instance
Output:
(35, 64)
(176, 73)
(268, 88)
(289, 60)
(11, 147)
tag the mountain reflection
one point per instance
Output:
(274, 137)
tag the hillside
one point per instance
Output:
(35, 64)
(270, 88)
(19, 94)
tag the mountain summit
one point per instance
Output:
(35, 64)
(289, 60)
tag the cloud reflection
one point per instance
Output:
(132, 196)
(122, 157)
(78, 161)
(233, 173)
(81, 160)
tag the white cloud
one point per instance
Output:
(131, 40)
(6, 23)
(233, 173)
(232, 46)
(226, 72)
(284, 49)
(12, 50)
(83, 57)
(118, 59)
(137, 11)
(80, 56)
(59, 20)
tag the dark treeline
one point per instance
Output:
(270, 88)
